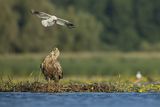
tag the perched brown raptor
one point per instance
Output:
(51, 67)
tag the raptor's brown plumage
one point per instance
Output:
(51, 67)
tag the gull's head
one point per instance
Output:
(139, 73)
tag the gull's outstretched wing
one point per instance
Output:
(41, 15)
(63, 22)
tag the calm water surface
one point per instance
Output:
(79, 100)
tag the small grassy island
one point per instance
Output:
(77, 85)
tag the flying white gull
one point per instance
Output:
(50, 20)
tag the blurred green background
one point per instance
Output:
(111, 36)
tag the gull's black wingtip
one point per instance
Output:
(70, 25)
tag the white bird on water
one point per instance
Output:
(50, 20)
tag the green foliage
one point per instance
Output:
(148, 21)
(108, 24)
